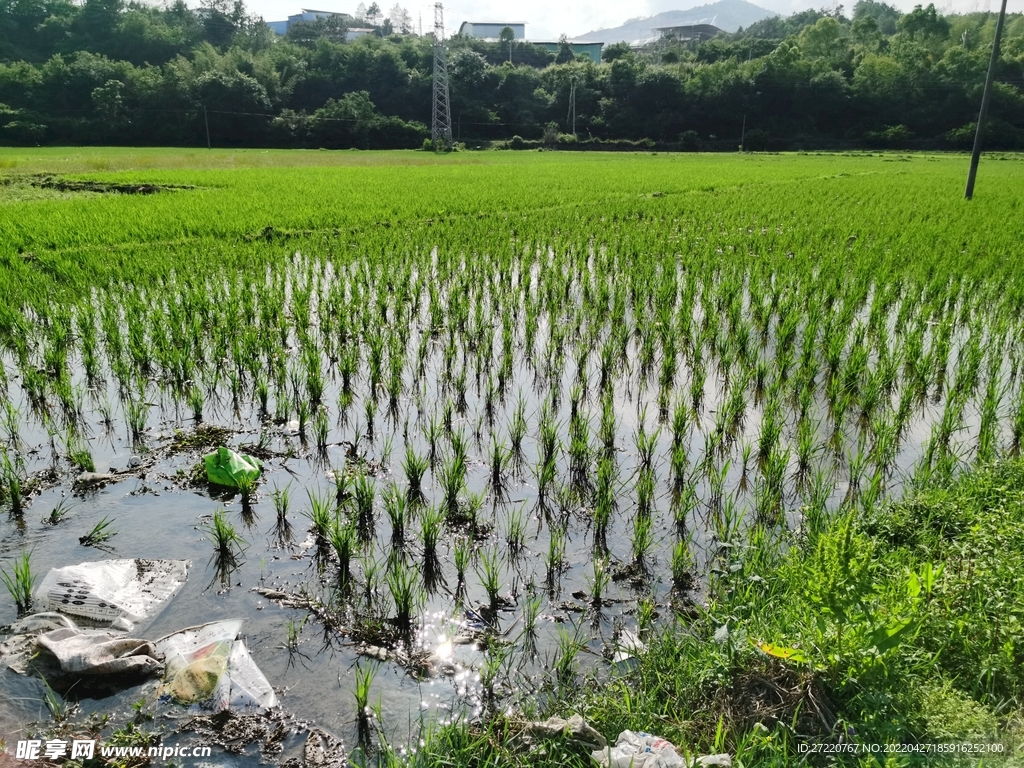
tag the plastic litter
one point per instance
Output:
(628, 647)
(100, 653)
(636, 749)
(112, 591)
(575, 728)
(208, 669)
(17, 650)
(225, 467)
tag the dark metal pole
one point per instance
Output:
(986, 95)
(207, 123)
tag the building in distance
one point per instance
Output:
(591, 50)
(688, 32)
(491, 30)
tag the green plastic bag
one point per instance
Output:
(224, 467)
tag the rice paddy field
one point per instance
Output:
(517, 413)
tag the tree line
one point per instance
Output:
(110, 72)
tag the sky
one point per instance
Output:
(546, 20)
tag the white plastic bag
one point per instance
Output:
(109, 590)
(639, 750)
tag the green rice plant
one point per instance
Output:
(365, 674)
(228, 545)
(565, 661)
(554, 558)
(292, 630)
(415, 467)
(20, 582)
(489, 571)
(517, 431)
(395, 504)
(515, 532)
(364, 492)
(342, 537)
(531, 610)
(498, 462)
(645, 492)
(604, 501)
(196, 401)
(598, 581)
(432, 433)
(100, 533)
(58, 513)
(405, 594)
(642, 539)
(136, 413)
(370, 409)
(320, 513)
(682, 565)
(321, 430)
(281, 499)
(452, 479)
(430, 530)
(261, 389)
(463, 550)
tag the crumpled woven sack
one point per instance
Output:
(225, 467)
(645, 750)
(101, 653)
(639, 750)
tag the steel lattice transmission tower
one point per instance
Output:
(441, 117)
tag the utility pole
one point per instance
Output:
(572, 104)
(206, 122)
(743, 132)
(441, 114)
(986, 95)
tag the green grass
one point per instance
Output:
(953, 676)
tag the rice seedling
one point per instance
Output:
(364, 491)
(20, 582)
(100, 534)
(342, 538)
(365, 674)
(430, 531)
(321, 430)
(489, 571)
(682, 566)
(597, 581)
(515, 532)
(554, 558)
(196, 401)
(58, 513)
(641, 540)
(405, 594)
(395, 504)
(565, 662)
(228, 545)
(463, 550)
(320, 513)
(415, 467)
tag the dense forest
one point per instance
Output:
(110, 72)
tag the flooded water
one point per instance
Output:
(469, 651)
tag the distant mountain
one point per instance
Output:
(728, 15)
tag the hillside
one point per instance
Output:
(728, 15)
